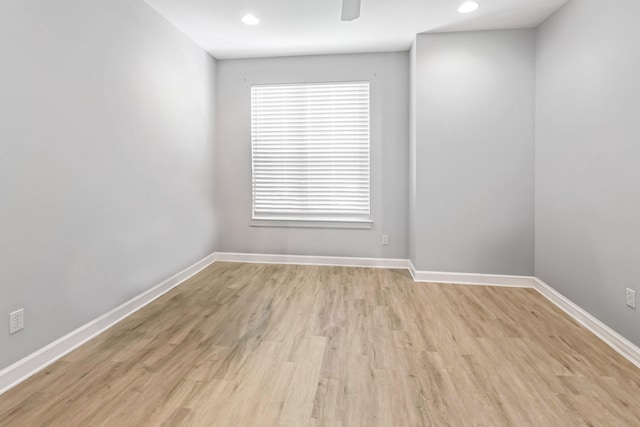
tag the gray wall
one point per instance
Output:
(411, 253)
(588, 157)
(474, 153)
(389, 76)
(106, 161)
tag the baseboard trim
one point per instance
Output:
(626, 348)
(616, 341)
(312, 260)
(39, 360)
(472, 279)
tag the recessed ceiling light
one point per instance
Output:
(250, 20)
(468, 7)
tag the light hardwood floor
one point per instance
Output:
(274, 345)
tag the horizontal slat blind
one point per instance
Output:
(310, 151)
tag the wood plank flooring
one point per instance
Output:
(276, 345)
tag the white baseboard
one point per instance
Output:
(35, 362)
(472, 279)
(312, 260)
(30, 365)
(616, 341)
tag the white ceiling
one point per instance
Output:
(307, 27)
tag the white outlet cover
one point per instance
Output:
(16, 321)
(631, 298)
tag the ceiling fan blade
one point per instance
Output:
(350, 10)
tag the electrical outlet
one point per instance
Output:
(16, 321)
(631, 298)
(385, 239)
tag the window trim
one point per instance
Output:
(311, 222)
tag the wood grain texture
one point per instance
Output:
(284, 345)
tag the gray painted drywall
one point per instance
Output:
(389, 77)
(588, 158)
(106, 161)
(474, 153)
(412, 153)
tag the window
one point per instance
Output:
(310, 152)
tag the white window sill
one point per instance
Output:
(289, 223)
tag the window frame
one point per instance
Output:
(291, 220)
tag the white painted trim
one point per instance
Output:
(284, 223)
(472, 279)
(616, 341)
(35, 362)
(312, 260)
(412, 270)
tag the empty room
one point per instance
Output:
(320, 213)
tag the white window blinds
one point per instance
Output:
(310, 151)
